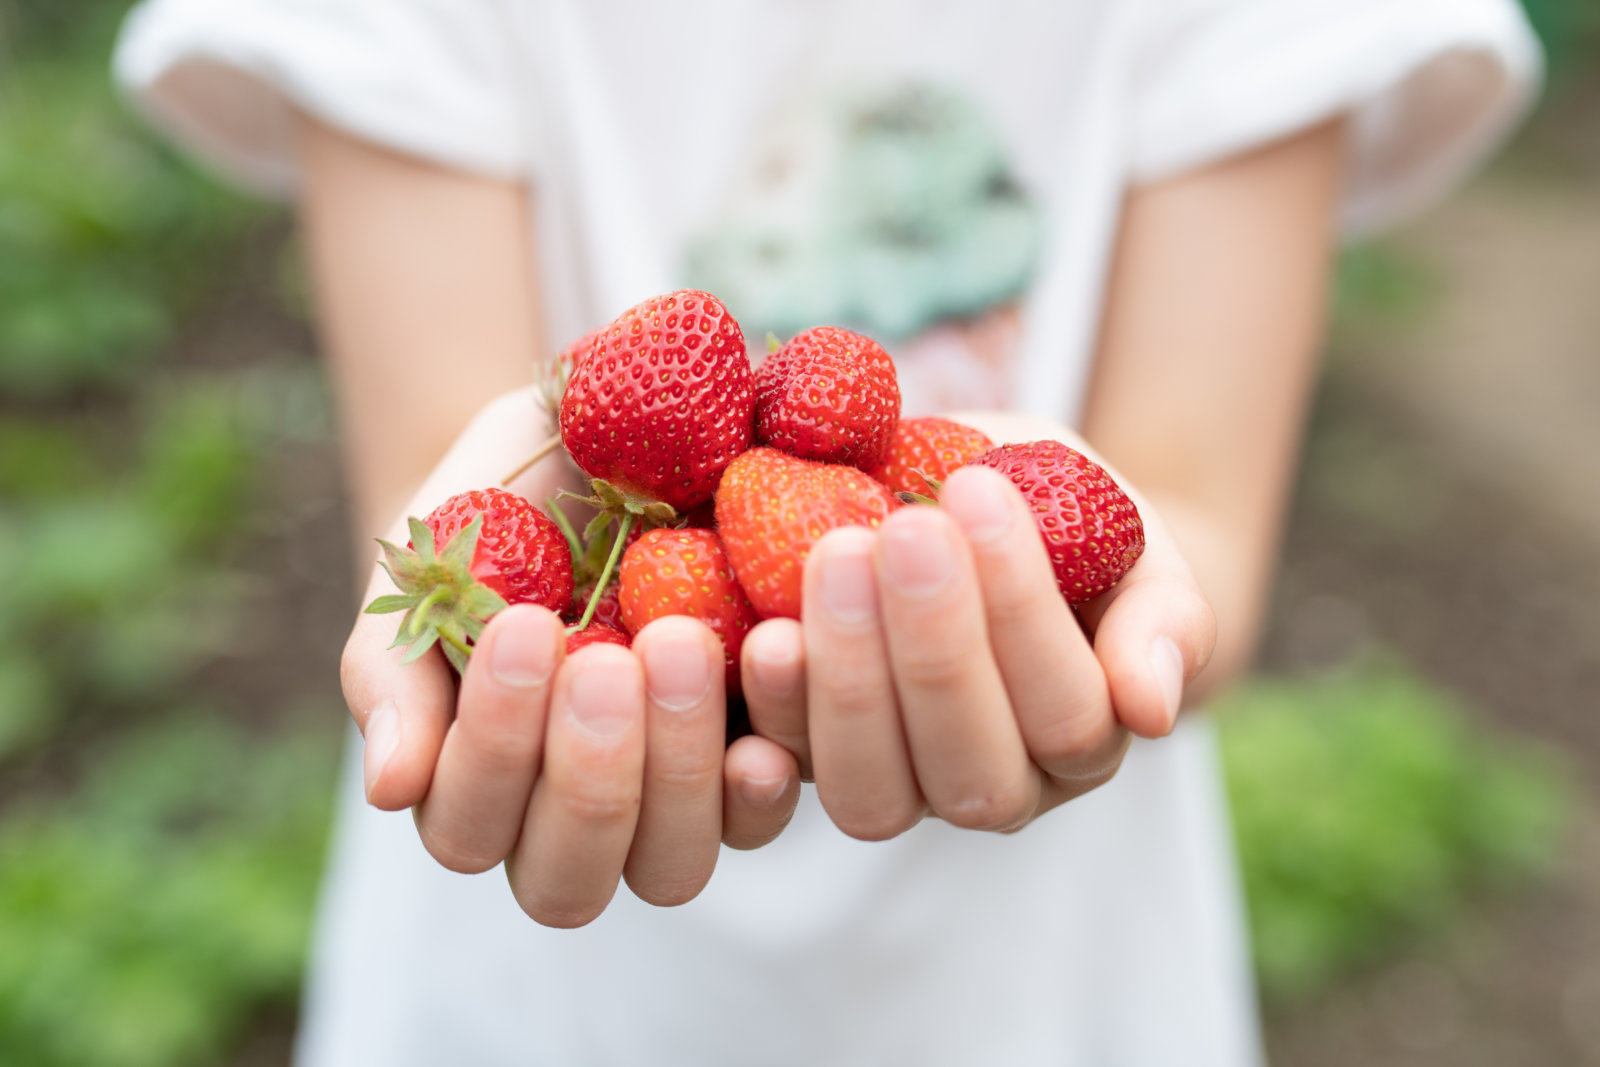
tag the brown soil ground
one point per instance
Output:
(1451, 509)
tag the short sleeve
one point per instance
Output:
(1431, 88)
(432, 78)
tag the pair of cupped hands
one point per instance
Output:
(937, 671)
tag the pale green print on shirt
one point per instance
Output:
(887, 211)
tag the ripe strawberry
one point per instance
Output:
(686, 572)
(1090, 528)
(772, 507)
(829, 395)
(663, 402)
(607, 611)
(931, 445)
(597, 633)
(498, 550)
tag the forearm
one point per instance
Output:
(427, 305)
(1210, 347)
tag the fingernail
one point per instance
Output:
(763, 792)
(918, 558)
(593, 703)
(524, 654)
(382, 738)
(774, 661)
(675, 669)
(848, 591)
(982, 505)
(1166, 665)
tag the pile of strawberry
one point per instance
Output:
(711, 482)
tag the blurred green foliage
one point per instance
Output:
(144, 916)
(1369, 806)
(108, 239)
(1570, 32)
(157, 874)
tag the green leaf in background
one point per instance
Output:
(142, 916)
(1369, 806)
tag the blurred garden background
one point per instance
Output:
(1415, 774)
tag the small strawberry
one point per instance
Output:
(663, 402)
(597, 633)
(772, 507)
(498, 549)
(829, 395)
(607, 609)
(1090, 528)
(931, 447)
(686, 572)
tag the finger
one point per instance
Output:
(773, 670)
(1153, 633)
(579, 826)
(761, 786)
(680, 822)
(858, 751)
(1057, 687)
(473, 812)
(969, 757)
(402, 709)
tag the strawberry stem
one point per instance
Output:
(624, 526)
(564, 524)
(538, 454)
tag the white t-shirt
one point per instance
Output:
(946, 176)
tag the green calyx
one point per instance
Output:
(443, 602)
(597, 553)
(935, 486)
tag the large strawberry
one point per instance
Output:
(829, 395)
(686, 572)
(497, 549)
(772, 507)
(1091, 529)
(663, 401)
(927, 448)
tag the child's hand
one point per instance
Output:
(574, 772)
(938, 668)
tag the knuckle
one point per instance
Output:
(880, 825)
(997, 810)
(560, 915)
(667, 892)
(852, 692)
(696, 777)
(593, 805)
(1074, 733)
(453, 857)
(930, 666)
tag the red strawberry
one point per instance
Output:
(686, 572)
(931, 445)
(772, 507)
(663, 402)
(551, 379)
(1092, 530)
(829, 395)
(607, 611)
(498, 549)
(597, 633)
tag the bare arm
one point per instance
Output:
(1212, 333)
(574, 772)
(428, 301)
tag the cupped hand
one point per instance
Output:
(937, 668)
(576, 772)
